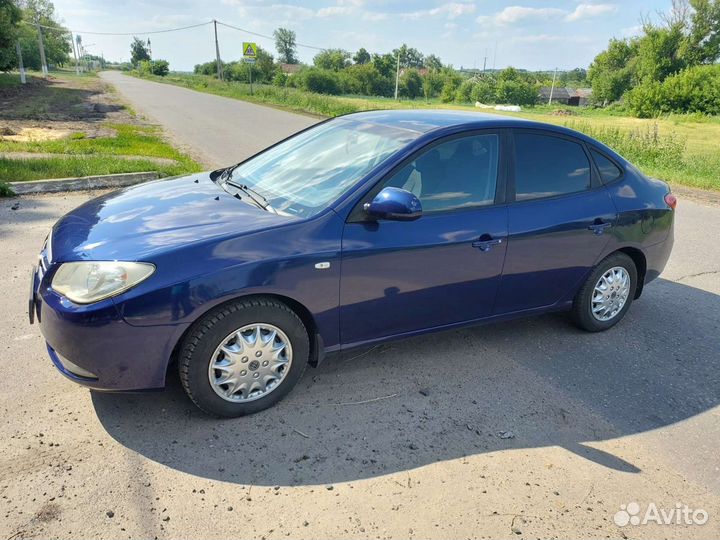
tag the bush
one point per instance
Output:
(365, 79)
(694, 90)
(515, 92)
(484, 90)
(321, 81)
(154, 67)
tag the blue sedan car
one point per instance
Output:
(361, 229)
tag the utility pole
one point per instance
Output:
(217, 53)
(552, 88)
(494, 56)
(20, 61)
(397, 75)
(77, 67)
(41, 43)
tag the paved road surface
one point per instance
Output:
(598, 421)
(218, 131)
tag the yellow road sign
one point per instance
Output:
(249, 49)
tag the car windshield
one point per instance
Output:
(302, 175)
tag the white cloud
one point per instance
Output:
(512, 14)
(334, 11)
(452, 10)
(583, 11)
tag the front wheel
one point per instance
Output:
(243, 357)
(605, 297)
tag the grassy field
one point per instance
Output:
(81, 129)
(680, 149)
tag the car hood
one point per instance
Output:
(134, 223)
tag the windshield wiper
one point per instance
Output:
(259, 200)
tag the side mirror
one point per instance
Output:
(394, 204)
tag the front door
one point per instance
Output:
(444, 268)
(558, 224)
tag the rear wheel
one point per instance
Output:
(605, 297)
(243, 357)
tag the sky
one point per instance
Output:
(530, 34)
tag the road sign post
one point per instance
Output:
(249, 56)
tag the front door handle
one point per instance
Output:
(599, 226)
(484, 243)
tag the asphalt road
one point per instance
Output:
(217, 131)
(522, 429)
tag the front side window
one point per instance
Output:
(302, 175)
(456, 174)
(547, 166)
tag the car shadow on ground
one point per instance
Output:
(524, 384)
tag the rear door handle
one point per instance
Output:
(485, 245)
(599, 226)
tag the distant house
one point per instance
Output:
(421, 71)
(290, 69)
(566, 96)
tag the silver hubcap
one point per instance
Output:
(610, 293)
(250, 363)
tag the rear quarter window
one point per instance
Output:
(607, 169)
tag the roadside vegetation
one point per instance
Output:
(74, 126)
(680, 149)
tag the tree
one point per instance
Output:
(362, 56)
(432, 83)
(409, 56)
(411, 83)
(702, 42)
(285, 45)
(385, 64)
(335, 59)
(433, 62)
(55, 36)
(611, 72)
(658, 53)
(138, 51)
(10, 16)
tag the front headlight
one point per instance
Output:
(88, 282)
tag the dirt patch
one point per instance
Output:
(563, 112)
(28, 134)
(59, 107)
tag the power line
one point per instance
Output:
(267, 37)
(66, 30)
(121, 33)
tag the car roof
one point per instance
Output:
(424, 120)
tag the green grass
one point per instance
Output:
(130, 140)
(681, 149)
(20, 170)
(9, 79)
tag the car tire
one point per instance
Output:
(597, 310)
(248, 359)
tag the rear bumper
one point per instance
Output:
(94, 346)
(657, 257)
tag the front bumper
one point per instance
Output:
(94, 346)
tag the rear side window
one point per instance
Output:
(608, 170)
(547, 166)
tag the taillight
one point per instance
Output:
(671, 200)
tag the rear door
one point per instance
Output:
(399, 277)
(558, 220)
